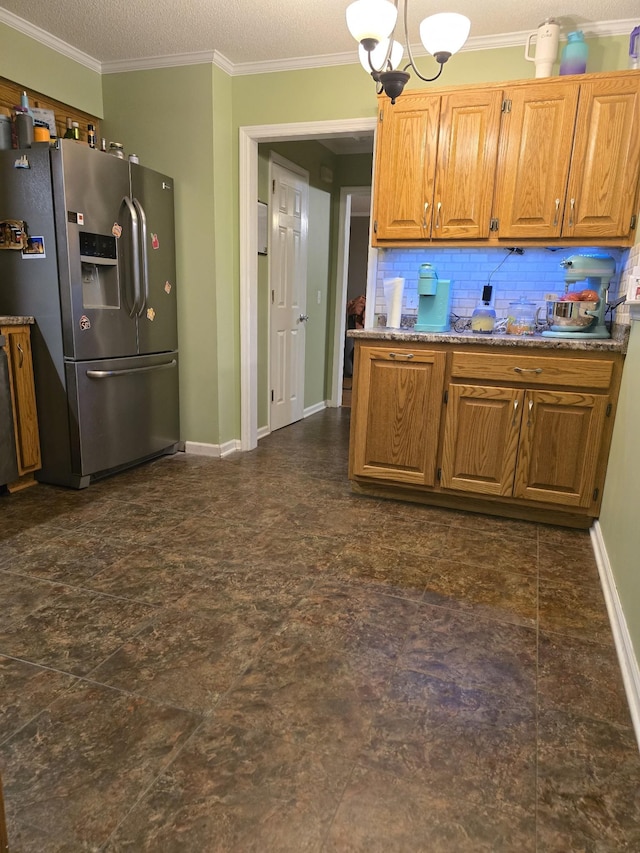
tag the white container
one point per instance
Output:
(393, 290)
(547, 37)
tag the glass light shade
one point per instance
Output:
(445, 32)
(379, 54)
(371, 19)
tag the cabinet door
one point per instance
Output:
(481, 439)
(405, 167)
(535, 151)
(18, 348)
(466, 165)
(396, 417)
(559, 447)
(605, 164)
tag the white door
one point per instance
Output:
(288, 283)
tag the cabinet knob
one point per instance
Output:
(21, 359)
(439, 208)
(555, 218)
(424, 218)
(528, 369)
(400, 355)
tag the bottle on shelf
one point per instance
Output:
(91, 135)
(68, 134)
(574, 54)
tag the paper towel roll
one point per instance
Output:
(393, 288)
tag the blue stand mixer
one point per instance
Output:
(434, 301)
(582, 318)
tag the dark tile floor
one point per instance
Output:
(240, 655)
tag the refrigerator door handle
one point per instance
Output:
(145, 256)
(137, 291)
(107, 374)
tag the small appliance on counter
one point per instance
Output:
(580, 313)
(434, 301)
(483, 318)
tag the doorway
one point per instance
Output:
(249, 137)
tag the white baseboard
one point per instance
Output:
(263, 432)
(199, 448)
(624, 647)
(318, 407)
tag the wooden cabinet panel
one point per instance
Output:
(535, 152)
(515, 367)
(405, 167)
(396, 417)
(481, 439)
(21, 380)
(559, 447)
(466, 165)
(605, 163)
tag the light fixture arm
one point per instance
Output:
(440, 57)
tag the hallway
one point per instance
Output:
(240, 655)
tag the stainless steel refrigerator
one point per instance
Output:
(98, 274)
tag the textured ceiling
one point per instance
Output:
(248, 31)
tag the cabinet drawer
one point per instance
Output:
(524, 369)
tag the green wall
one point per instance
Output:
(34, 66)
(165, 116)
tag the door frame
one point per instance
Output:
(276, 159)
(249, 137)
(342, 281)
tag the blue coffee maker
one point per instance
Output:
(434, 301)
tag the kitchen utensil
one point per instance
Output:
(563, 315)
(597, 270)
(547, 36)
(521, 319)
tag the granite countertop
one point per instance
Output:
(616, 343)
(15, 321)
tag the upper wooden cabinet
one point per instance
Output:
(535, 161)
(466, 165)
(605, 163)
(435, 166)
(405, 167)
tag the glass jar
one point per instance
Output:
(117, 149)
(521, 319)
(483, 319)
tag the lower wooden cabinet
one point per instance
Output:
(537, 445)
(397, 414)
(512, 431)
(23, 398)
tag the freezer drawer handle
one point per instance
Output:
(137, 293)
(145, 256)
(106, 374)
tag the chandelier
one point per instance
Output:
(372, 23)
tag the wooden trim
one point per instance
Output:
(10, 93)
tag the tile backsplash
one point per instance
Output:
(533, 274)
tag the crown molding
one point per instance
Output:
(149, 63)
(214, 57)
(45, 38)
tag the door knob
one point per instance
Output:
(303, 318)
